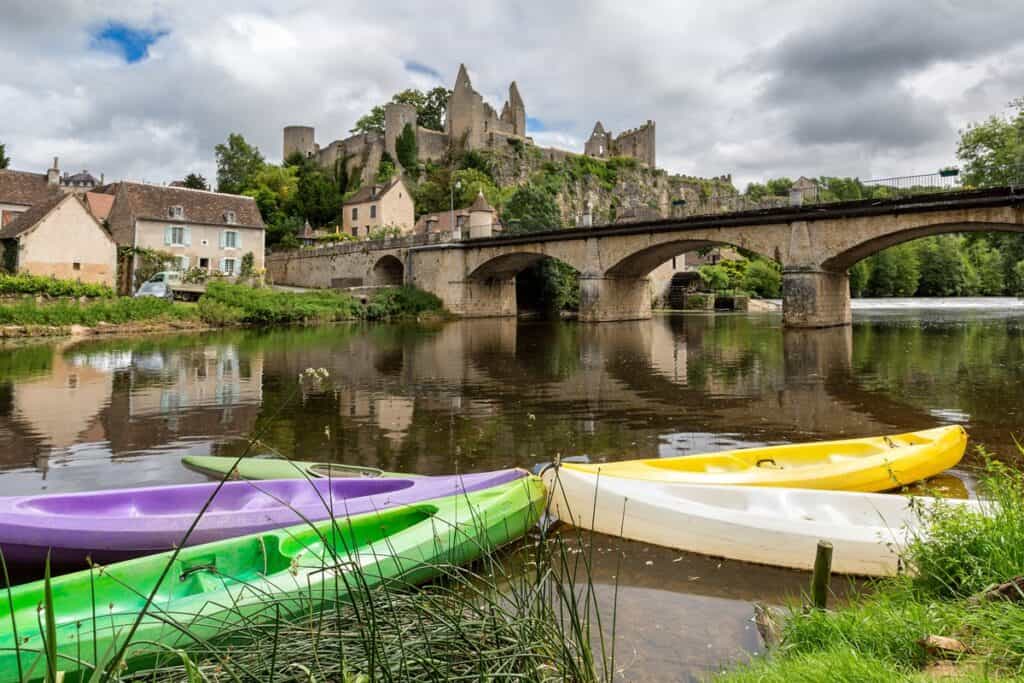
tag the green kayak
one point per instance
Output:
(210, 589)
(278, 468)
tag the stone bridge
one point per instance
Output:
(815, 245)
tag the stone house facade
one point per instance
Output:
(470, 124)
(59, 237)
(201, 229)
(377, 206)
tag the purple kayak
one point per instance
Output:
(109, 526)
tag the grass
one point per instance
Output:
(113, 311)
(226, 305)
(877, 635)
(22, 283)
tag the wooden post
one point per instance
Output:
(821, 578)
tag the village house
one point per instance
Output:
(378, 206)
(479, 220)
(59, 237)
(201, 229)
(20, 190)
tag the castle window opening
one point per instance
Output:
(373, 210)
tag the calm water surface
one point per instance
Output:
(476, 395)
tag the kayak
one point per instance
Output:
(278, 468)
(872, 464)
(772, 526)
(212, 589)
(108, 526)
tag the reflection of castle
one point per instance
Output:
(470, 124)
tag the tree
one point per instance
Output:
(715, 278)
(894, 272)
(406, 148)
(943, 266)
(993, 151)
(531, 209)
(317, 198)
(5, 160)
(386, 170)
(195, 181)
(430, 108)
(1018, 271)
(860, 273)
(238, 162)
(763, 278)
(988, 268)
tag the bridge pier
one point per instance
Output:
(815, 298)
(480, 298)
(607, 299)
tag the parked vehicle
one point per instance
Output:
(168, 284)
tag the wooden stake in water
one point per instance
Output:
(821, 579)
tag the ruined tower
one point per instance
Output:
(465, 108)
(516, 110)
(397, 116)
(298, 139)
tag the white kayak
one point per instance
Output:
(764, 525)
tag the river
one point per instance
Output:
(486, 394)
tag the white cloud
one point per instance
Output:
(752, 88)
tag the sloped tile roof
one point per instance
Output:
(99, 204)
(27, 219)
(198, 206)
(366, 193)
(21, 187)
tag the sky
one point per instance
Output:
(144, 90)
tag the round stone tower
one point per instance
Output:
(396, 116)
(481, 218)
(298, 139)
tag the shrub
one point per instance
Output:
(218, 313)
(763, 279)
(267, 307)
(23, 283)
(399, 301)
(715, 278)
(113, 311)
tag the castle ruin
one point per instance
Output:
(470, 124)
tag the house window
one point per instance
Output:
(76, 266)
(176, 212)
(373, 210)
(228, 266)
(230, 239)
(204, 263)
(229, 217)
(355, 231)
(355, 213)
(178, 236)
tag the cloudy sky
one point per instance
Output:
(144, 90)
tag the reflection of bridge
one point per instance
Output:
(815, 246)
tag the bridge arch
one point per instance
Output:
(388, 271)
(641, 262)
(851, 254)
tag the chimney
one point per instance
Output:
(53, 174)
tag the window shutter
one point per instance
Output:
(238, 239)
(167, 235)
(223, 265)
(184, 263)
(221, 238)
(188, 236)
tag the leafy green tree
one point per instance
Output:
(531, 209)
(763, 278)
(386, 170)
(943, 266)
(406, 148)
(317, 198)
(894, 272)
(1018, 272)
(195, 181)
(860, 273)
(988, 267)
(274, 188)
(993, 151)
(779, 187)
(715, 278)
(473, 182)
(238, 162)
(5, 160)
(756, 191)
(430, 108)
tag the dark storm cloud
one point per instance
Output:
(843, 79)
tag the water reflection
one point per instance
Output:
(486, 394)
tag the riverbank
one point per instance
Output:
(222, 306)
(956, 613)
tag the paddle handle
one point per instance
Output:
(822, 576)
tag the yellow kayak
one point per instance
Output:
(875, 463)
